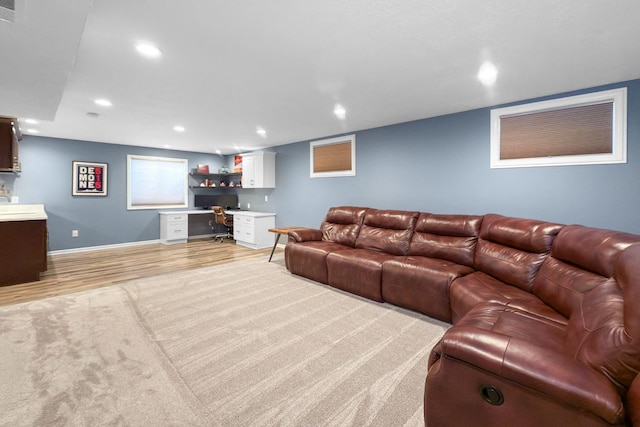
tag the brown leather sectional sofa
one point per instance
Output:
(545, 317)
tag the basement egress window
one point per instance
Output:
(577, 130)
(333, 157)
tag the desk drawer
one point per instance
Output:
(178, 219)
(178, 231)
(244, 233)
(174, 227)
(243, 219)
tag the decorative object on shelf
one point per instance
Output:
(237, 164)
(204, 169)
(89, 179)
(224, 170)
(212, 183)
(222, 184)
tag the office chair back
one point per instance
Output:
(222, 219)
(221, 216)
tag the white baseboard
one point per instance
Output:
(97, 248)
(124, 245)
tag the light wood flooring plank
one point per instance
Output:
(76, 272)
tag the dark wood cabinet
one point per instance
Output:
(23, 251)
(9, 136)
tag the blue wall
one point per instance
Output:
(437, 165)
(46, 178)
(441, 165)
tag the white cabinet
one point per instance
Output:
(259, 169)
(251, 229)
(174, 227)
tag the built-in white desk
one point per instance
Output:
(250, 228)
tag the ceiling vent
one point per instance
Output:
(7, 10)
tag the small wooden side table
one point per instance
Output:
(280, 231)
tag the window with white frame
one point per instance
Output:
(576, 130)
(333, 157)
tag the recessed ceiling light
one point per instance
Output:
(33, 131)
(340, 112)
(166, 146)
(103, 102)
(218, 152)
(179, 128)
(261, 132)
(148, 50)
(31, 121)
(487, 74)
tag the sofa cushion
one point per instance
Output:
(591, 277)
(513, 249)
(308, 258)
(581, 259)
(358, 271)
(387, 231)
(513, 322)
(342, 224)
(448, 237)
(478, 288)
(421, 284)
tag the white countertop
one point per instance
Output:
(255, 214)
(17, 212)
(189, 212)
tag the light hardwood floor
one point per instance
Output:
(75, 272)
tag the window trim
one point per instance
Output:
(168, 189)
(619, 138)
(351, 139)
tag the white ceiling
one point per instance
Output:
(229, 67)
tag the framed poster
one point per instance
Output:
(89, 179)
(237, 164)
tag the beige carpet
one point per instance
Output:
(242, 344)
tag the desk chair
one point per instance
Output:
(222, 219)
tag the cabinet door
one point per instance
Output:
(258, 170)
(249, 172)
(24, 251)
(6, 146)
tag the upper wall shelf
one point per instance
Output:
(216, 180)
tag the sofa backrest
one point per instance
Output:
(342, 224)
(448, 237)
(513, 249)
(387, 231)
(592, 276)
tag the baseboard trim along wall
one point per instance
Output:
(97, 248)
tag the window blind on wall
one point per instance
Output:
(569, 131)
(332, 157)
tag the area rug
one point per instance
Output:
(240, 344)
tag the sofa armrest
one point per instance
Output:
(546, 371)
(305, 235)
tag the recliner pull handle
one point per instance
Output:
(491, 395)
